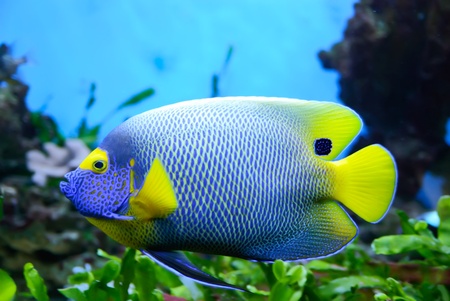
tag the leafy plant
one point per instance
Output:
(118, 279)
(422, 274)
(418, 237)
(35, 283)
(7, 286)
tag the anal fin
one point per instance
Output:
(326, 230)
(331, 229)
(179, 264)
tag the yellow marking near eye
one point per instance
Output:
(96, 155)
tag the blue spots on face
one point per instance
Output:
(99, 195)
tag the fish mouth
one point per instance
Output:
(67, 188)
(72, 181)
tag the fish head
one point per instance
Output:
(101, 186)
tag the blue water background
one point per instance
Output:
(174, 46)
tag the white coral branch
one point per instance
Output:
(56, 161)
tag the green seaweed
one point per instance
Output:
(48, 131)
(89, 134)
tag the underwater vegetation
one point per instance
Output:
(393, 62)
(39, 225)
(422, 272)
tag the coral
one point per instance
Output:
(56, 161)
(16, 129)
(393, 63)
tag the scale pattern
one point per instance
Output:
(246, 183)
(98, 195)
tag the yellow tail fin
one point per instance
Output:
(366, 182)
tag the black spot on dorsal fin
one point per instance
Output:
(322, 146)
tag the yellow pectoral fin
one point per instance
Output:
(156, 198)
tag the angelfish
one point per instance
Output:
(248, 177)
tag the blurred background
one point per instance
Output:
(173, 46)
(70, 71)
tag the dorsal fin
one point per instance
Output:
(328, 127)
(156, 198)
(331, 127)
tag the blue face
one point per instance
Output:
(98, 188)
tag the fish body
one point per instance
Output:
(248, 177)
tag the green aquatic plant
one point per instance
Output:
(418, 237)
(7, 286)
(48, 131)
(422, 272)
(215, 80)
(89, 134)
(35, 283)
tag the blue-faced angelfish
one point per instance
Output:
(249, 177)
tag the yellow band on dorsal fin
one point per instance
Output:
(327, 120)
(322, 120)
(156, 198)
(338, 123)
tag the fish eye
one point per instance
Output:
(99, 165)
